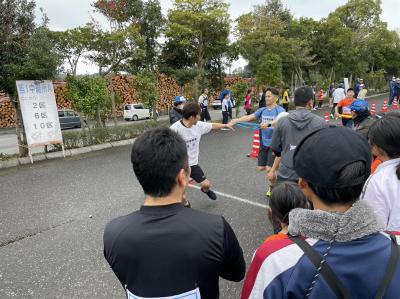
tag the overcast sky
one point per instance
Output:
(73, 13)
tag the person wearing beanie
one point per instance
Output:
(339, 248)
(176, 112)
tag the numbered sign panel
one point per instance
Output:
(39, 112)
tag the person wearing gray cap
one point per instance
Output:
(338, 249)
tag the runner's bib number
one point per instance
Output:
(195, 294)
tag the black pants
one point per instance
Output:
(205, 115)
(333, 108)
(225, 117)
(285, 106)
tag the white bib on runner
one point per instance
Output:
(194, 294)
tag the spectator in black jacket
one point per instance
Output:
(165, 249)
(176, 112)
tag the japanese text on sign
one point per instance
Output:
(39, 112)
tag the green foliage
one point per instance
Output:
(376, 80)
(72, 44)
(350, 42)
(6, 157)
(114, 50)
(100, 135)
(140, 23)
(239, 90)
(197, 30)
(26, 51)
(89, 95)
(269, 71)
(145, 85)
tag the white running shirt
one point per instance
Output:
(338, 95)
(382, 192)
(192, 138)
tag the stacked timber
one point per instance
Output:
(7, 112)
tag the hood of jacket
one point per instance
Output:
(357, 222)
(300, 118)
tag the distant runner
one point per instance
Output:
(190, 128)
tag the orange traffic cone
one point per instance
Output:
(256, 144)
(327, 118)
(385, 107)
(395, 104)
(373, 109)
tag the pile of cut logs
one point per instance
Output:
(122, 86)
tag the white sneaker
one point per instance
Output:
(225, 129)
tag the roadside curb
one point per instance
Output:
(68, 153)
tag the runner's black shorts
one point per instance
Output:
(265, 156)
(197, 174)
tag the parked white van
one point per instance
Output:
(135, 112)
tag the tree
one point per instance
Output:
(239, 89)
(201, 29)
(269, 70)
(72, 44)
(89, 94)
(111, 50)
(145, 85)
(26, 53)
(146, 18)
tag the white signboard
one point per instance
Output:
(346, 84)
(39, 112)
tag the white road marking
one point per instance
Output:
(253, 203)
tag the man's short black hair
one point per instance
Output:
(190, 109)
(343, 195)
(350, 89)
(157, 157)
(273, 90)
(302, 96)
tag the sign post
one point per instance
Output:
(39, 113)
(346, 84)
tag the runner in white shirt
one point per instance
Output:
(338, 95)
(382, 189)
(190, 128)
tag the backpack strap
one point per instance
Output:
(391, 269)
(330, 277)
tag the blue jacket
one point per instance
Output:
(224, 92)
(281, 270)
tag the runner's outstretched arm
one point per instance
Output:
(250, 117)
(217, 126)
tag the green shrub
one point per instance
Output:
(87, 137)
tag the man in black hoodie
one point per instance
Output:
(288, 133)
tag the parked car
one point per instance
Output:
(216, 104)
(69, 119)
(135, 112)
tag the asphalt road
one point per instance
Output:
(51, 248)
(53, 214)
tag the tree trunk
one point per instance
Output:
(19, 128)
(292, 87)
(195, 88)
(98, 117)
(221, 78)
(113, 110)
